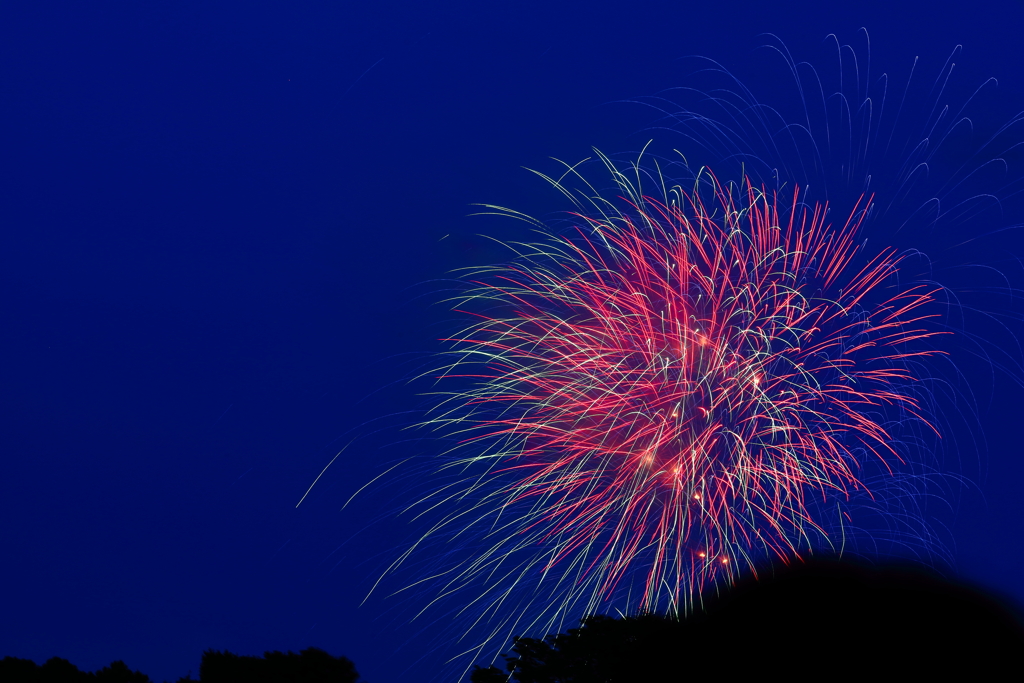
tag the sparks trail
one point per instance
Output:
(671, 392)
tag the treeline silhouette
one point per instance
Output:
(812, 619)
(815, 619)
(312, 665)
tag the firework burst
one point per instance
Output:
(667, 394)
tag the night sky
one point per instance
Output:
(224, 228)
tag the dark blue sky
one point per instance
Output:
(218, 226)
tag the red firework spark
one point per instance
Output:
(669, 392)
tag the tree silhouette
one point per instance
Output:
(312, 665)
(817, 617)
(57, 670)
(118, 672)
(603, 649)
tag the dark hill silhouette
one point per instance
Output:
(813, 619)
